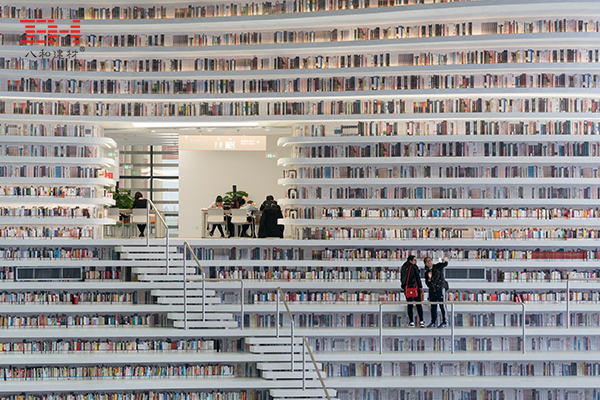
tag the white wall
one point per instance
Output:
(205, 174)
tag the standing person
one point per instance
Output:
(411, 282)
(140, 202)
(268, 221)
(218, 203)
(436, 282)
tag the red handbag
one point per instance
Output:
(410, 292)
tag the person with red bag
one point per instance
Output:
(410, 276)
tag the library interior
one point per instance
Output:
(359, 134)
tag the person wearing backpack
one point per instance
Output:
(436, 282)
(271, 212)
(410, 278)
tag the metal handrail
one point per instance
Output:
(160, 217)
(187, 246)
(281, 295)
(187, 279)
(306, 346)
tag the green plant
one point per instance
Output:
(234, 198)
(122, 198)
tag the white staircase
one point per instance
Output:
(153, 273)
(279, 371)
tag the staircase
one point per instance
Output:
(282, 371)
(152, 268)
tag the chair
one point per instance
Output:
(256, 222)
(216, 216)
(113, 213)
(139, 216)
(239, 217)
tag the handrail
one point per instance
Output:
(305, 347)
(203, 280)
(160, 217)
(187, 246)
(281, 295)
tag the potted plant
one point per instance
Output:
(233, 198)
(123, 200)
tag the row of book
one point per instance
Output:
(367, 60)
(314, 36)
(25, 232)
(49, 253)
(331, 253)
(117, 346)
(46, 297)
(117, 372)
(440, 192)
(130, 109)
(291, 85)
(451, 212)
(49, 212)
(64, 321)
(389, 274)
(460, 148)
(43, 191)
(333, 107)
(49, 129)
(48, 171)
(445, 127)
(32, 150)
(425, 233)
(144, 395)
(203, 10)
(427, 171)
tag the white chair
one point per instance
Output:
(139, 216)
(216, 216)
(112, 213)
(239, 218)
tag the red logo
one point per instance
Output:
(50, 30)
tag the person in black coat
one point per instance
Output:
(271, 212)
(140, 202)
(410, 277)
(436, 282)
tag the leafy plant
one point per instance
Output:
(233, 199)
(123, 198)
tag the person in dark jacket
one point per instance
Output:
(434, 278)
(271, 212)
(410, 277)
(140, 202)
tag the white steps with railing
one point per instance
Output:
(279, 371)
(221, 324)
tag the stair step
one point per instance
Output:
(274, 366)
(299, 393)
(179, 292)
(271, 340)
(275, 349)
(150, 256)
(144, 249)
(198, 316)
(306, 398)
(195, 300)
(163, 270)
(206, 324)
(160, 278)
(290, 375)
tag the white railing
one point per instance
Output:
(158, 217)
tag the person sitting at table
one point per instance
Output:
(218, 203)
(268, 221)
(250, 208)
(140, 202)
